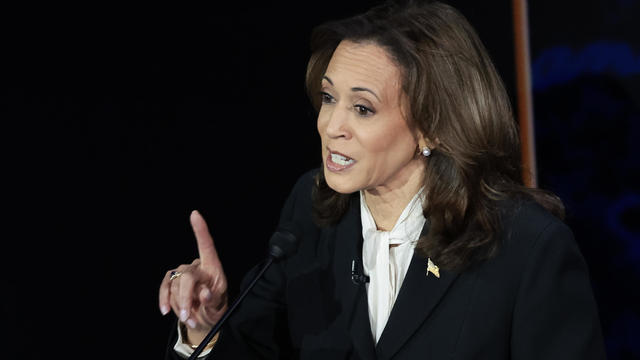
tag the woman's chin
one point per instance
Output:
(340, 184)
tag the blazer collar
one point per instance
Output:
(349, 231)
(419, 295)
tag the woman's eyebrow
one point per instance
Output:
(365, 89)
(354, 88)
(327, 78)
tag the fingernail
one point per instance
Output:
(164, 309)
(191, 323)
(183, 315)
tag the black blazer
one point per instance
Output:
(532, 301)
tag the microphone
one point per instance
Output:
(283, 243)
(356, 277)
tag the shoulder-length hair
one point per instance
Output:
(457, 99)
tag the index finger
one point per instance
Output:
(206, 249)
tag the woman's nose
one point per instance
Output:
(337, 124)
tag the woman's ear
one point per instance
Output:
(431, 144)
(425, 141)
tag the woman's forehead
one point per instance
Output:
(363, 64)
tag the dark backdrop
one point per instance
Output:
(586, 86)
(119, 121)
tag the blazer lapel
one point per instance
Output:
(360, 329)
(418, 296)
(354, 297)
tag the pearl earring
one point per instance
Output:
(426, 151)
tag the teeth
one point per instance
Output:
(341, 160)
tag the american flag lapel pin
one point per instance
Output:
(432, 268)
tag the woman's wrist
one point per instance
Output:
(193, 337)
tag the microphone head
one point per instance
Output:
(284, 242)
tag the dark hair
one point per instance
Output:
(456, 98)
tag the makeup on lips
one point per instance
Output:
(337, 162)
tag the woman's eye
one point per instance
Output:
(363, 110)
(326, 98)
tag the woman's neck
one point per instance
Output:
(386, 202)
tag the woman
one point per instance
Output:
(420, 196)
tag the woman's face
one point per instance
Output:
(366, 141)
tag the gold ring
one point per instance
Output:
(175, 274)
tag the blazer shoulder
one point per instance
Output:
(298, 205)
(525, 223)
(554, 311)
(306, 182)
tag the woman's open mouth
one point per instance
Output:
(338, 162)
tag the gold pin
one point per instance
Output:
(431, 267)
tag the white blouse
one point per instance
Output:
(387, 266)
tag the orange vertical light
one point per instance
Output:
(524, 98)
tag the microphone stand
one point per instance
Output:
(227, 313)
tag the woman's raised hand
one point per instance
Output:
(198, 292)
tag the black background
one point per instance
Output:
(586, 91)
(118, 121)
